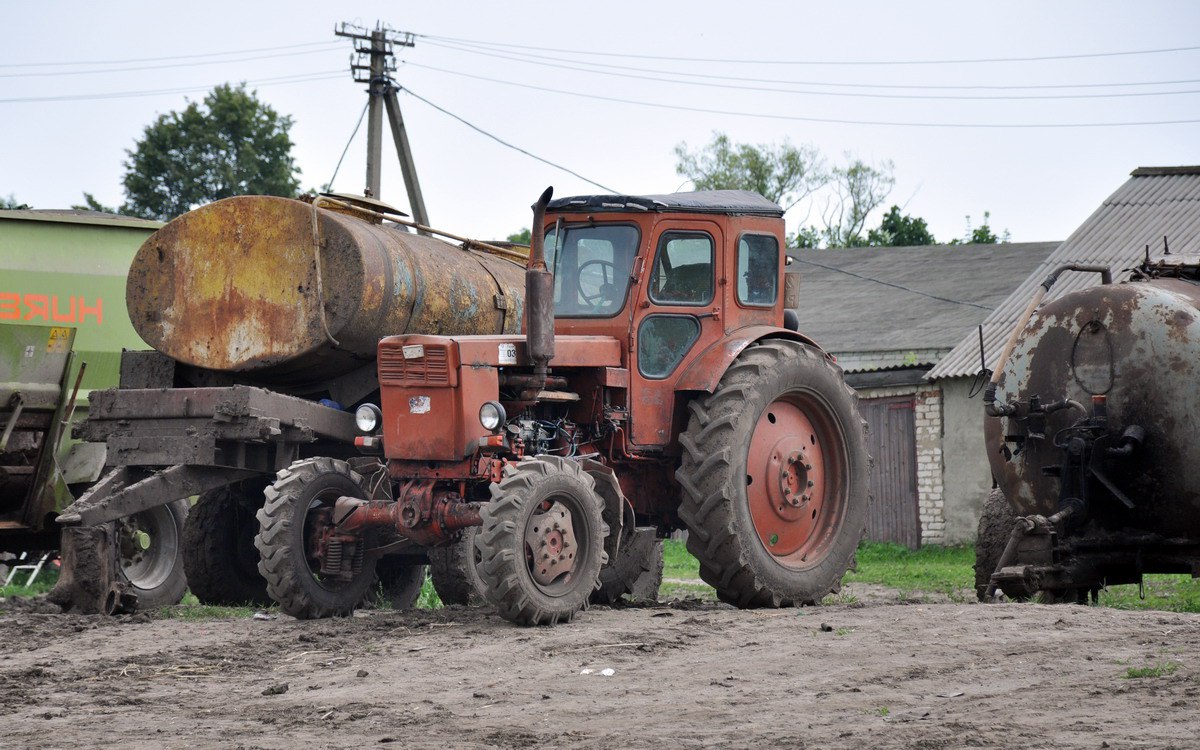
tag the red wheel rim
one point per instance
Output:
(794, 485)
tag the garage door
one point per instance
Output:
(893, 515)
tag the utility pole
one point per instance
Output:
(373, 62)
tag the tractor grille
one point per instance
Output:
(431, 369)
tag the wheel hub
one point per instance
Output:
(550, 541)
(786, 484)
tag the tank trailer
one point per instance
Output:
(1092, 435)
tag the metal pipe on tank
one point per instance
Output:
(285, 290)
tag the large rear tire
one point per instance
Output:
(774, 473)
(452, 569)
(541, 544)
(218, 547)
(149, 549)
(293, 577)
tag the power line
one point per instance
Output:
(798, 118)
(743, 87)
(528, 56)
(505, 143)
(169, 57)
(736, 61)
(297, 78)
(160, 67)
(887, 283)
(347, 148)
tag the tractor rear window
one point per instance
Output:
(591, 267)
(758, 269)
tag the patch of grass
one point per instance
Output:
(428, 598)
(1174, 593)
(1158, 670)
(883, 711)
(190, 608)
(930, 569)
(678, 562)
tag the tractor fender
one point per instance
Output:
(706, 371)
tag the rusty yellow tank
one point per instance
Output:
(289, 291)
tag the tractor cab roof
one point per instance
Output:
(730, 202)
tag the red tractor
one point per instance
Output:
(661, 384)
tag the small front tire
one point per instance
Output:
(541, 545)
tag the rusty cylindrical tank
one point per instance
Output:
(1137, 345)
(285, 291)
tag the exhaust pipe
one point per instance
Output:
(539, 302)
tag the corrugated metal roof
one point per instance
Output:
(1154, 202)
(883, 307)
(79, 216)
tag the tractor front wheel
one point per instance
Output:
(774, 472)
(541, 544)
(288, 523)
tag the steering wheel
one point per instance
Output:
(609, 272)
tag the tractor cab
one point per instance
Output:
(672, 277)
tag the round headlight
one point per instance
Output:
(491, 416)
(367, 417)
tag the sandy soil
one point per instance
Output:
(687, 675)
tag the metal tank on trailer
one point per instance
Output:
(1095, 436)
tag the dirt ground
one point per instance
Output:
(880, 675)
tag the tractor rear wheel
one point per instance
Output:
(995, 526)
(287, 523)
(218, 547)
(774, 473)
(149, 549)
(541, 544)
(452, 569)
(637, 572)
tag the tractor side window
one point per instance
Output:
(591, 266)
(758, 269)
(663, 341)
(683, 270)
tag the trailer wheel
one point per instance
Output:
(218, 547)
(541, 544)
(452, 569)
(774, 473)
(285, 525)
(398, 582)
(637, 572)
(995, 525)
(149, 549)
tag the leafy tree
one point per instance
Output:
(12, 204)
(983, 234)
(232, 144)
(91, 204)
(522, 237)
(858, 189)
(897, 230)
(785, 174)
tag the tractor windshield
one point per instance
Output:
(591, 267)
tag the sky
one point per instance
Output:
(1032, 111)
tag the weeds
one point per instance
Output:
(1161, 669)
